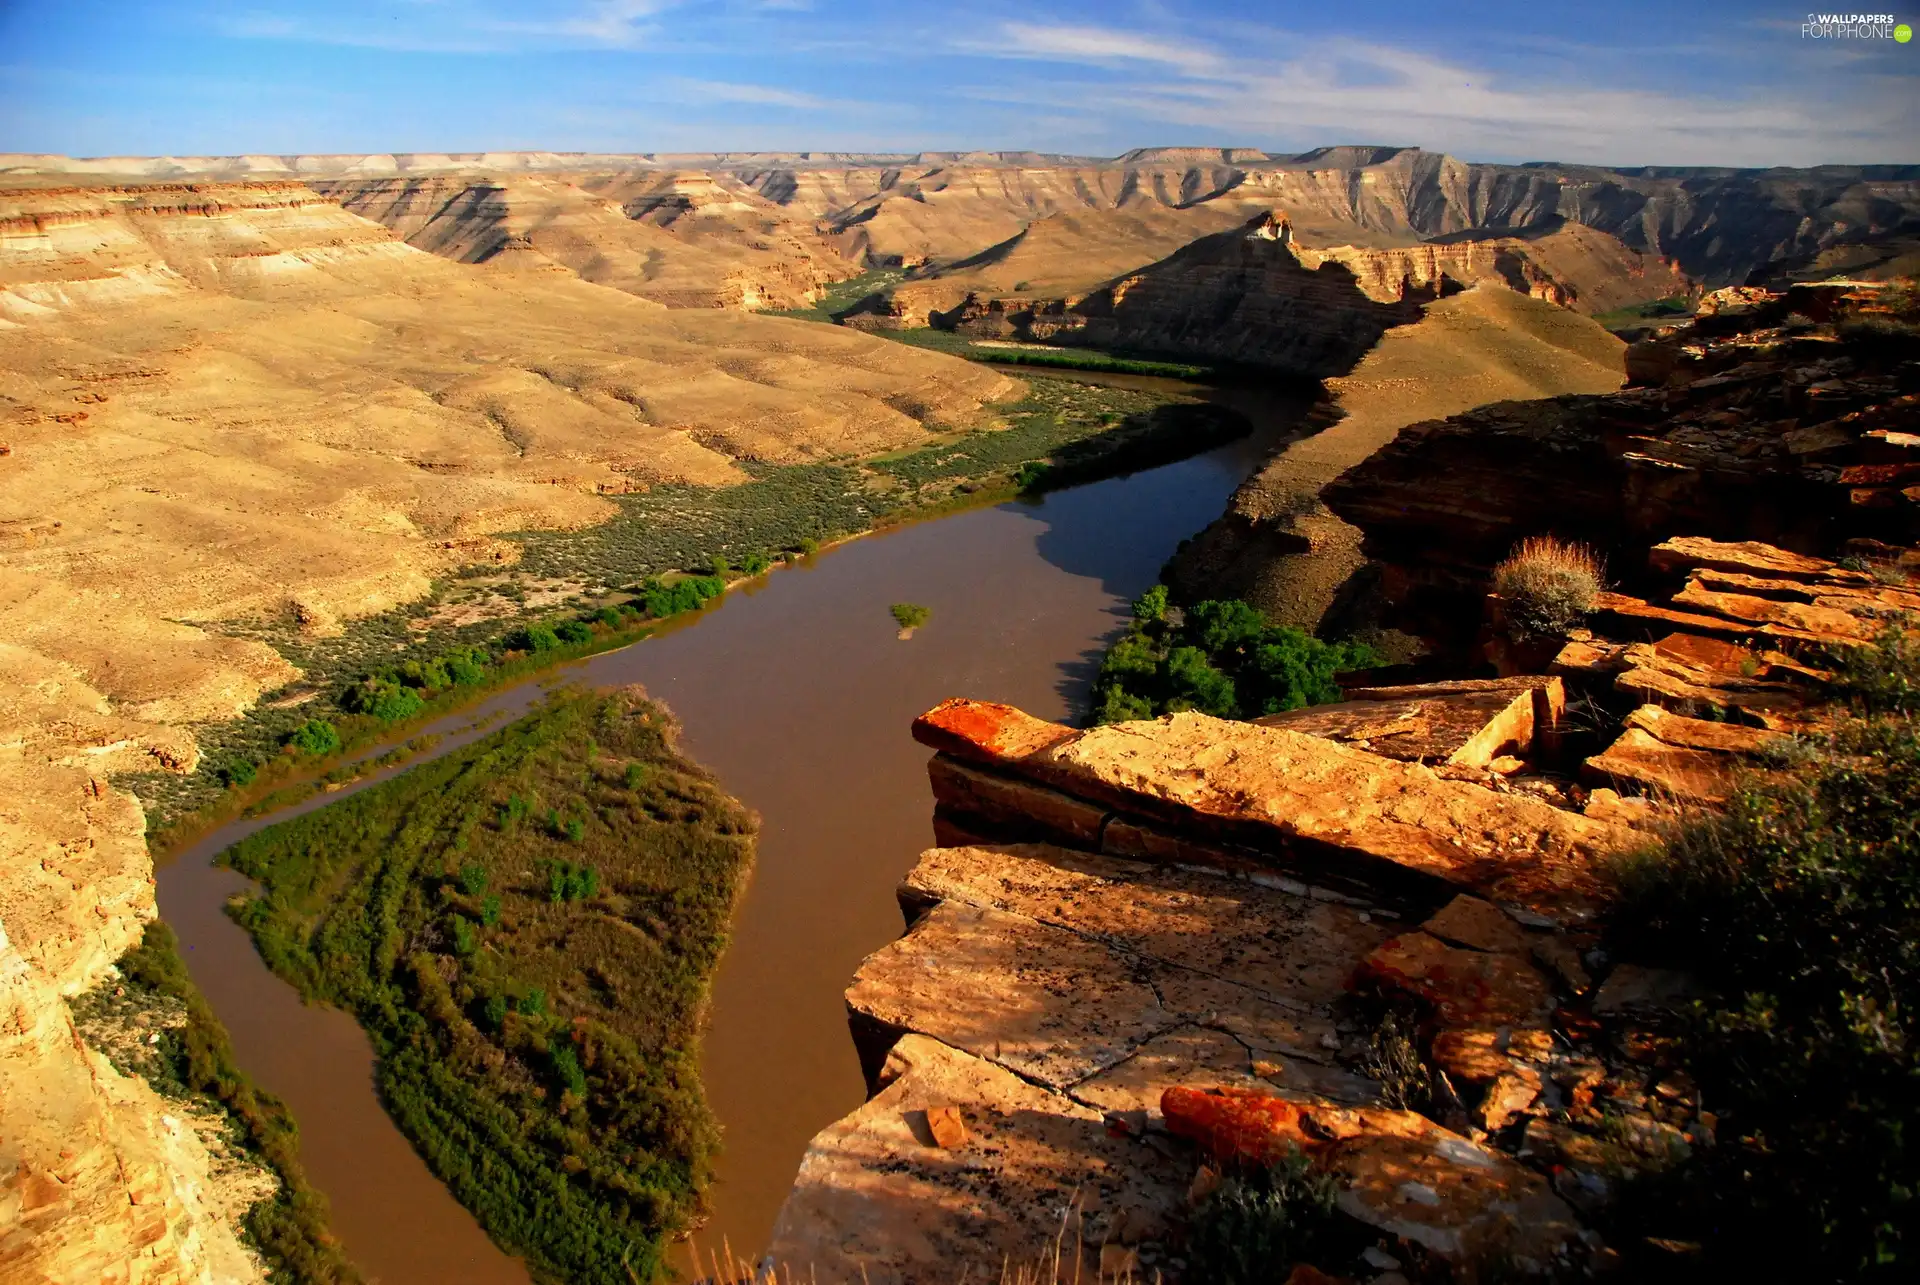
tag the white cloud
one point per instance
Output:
(1345, 90)
(1095, 46)
(462, 26)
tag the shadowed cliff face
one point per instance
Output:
(1783, 417)
(1242, 296)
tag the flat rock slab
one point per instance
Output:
(1288, 948)
(1463, 724)
(878, 1202)
(1299, 797)
(1060, 965)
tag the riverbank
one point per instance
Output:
(526, 928)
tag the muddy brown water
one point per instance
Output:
(798, 693)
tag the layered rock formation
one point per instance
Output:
(1775, 417)
(1134, 960)
(1046, 283)
(1719, 225)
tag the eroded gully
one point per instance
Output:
(798, 694)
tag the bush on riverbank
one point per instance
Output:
(539, 1049)
(1219, 658)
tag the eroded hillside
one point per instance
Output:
(225, 403)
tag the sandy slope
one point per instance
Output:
(240, 401)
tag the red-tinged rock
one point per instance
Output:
(1757, 610)
(1465, 987)
(1307, 1274)
(1236, 1126)
(1511, 1093)
(948, 1129)
(984, 731)
(1684, 553)
(1642, 764)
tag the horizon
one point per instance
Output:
(1626, 87)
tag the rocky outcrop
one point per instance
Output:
(1144, 956)
(100, 1179)
(1780, 417)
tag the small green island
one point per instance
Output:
(909, 616)
(527, 928)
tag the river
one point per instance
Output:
(796, 691)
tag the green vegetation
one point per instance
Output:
(1221, 658)
(192, 1062)
(315, 736)
(1257, 1226)
(960, 345)
(1547, 586)
(533, 992)
(910, 615)
(1061, 433)
(841, 296)
(1649, 315)
(1800, 908)
(1078, 432)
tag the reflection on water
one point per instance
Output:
(799, 695)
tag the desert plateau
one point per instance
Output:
(1153, 714)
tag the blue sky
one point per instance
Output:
(1624, 82)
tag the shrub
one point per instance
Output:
(1547, 586)
(465, 940)
(496, 1012)
(1883, 678)
(466, 669)
(1800, 906)
(473, 879)
(910, 615)
(236, 772)
(573, 632)
(809, 547)
(1221, 659)
(576, 829)
(568, 882)
(566, 1069)
(634, 775)
(1151, 607)
(534, 1002)
(490, 909)
(315, 736)
(719, 567)
(383, 698)
(1257, 1226)
(533, 639)
(755, 563)
(1192, 682)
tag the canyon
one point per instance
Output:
(251, 399)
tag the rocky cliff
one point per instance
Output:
(1147, 953)
(1718, 225)
(1789, 417)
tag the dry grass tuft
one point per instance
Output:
(1547, 586)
